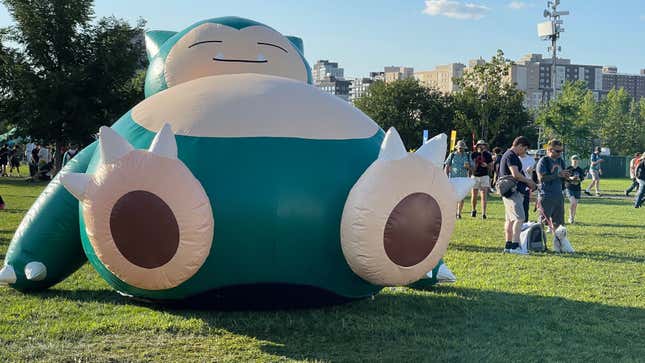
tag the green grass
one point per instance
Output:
(545, 307)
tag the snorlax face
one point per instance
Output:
(222, 46)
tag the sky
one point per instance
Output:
(365, 35)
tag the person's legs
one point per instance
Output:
(526, 200)
(473, 202)
(508, 230)
(557, 214)
(514, 219)
(572, 208)
(484, 196)
(640, 196)
(460, 207)
(633, 186)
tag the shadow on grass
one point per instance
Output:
(613, 257)
(449, 323)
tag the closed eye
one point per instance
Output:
(203, 42)
(273, 45)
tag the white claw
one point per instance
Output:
(462, 186)
(392, 147)
(7, 275)
(444, 275)
(35, 271)
(434, 149)
(113, 146)
(76, 183)
(164, 143)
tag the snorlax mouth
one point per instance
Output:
(240, 60)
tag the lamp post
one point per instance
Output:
(550, 30)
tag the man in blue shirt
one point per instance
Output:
(551, 172)
(510, 166)
(595, 170)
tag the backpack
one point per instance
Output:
(533, 238)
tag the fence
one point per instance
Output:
(612, 167)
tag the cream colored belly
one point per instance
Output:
(253, 105)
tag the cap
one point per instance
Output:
(481, 142)
(576, 157)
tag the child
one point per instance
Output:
(572, 185)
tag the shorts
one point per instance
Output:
(514, 207)
(573, 193)
(481, 182)
(595, 174)
(553, 208)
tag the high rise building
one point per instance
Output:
(336, 87)
(634, 84)
(359, 87)
(442, 77)
(324, 69)
(395, 73)
(532, 74)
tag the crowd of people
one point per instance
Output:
(39, 158)
(519, 178)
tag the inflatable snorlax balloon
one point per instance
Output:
(235, 174)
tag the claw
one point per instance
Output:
(76, 183)
(7, 275)
(392, 147)
(434, 149)
(35, 271)
(164, 143)
(444, 275)
(113, 146)
(462, 186)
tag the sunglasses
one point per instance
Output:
(557, 150)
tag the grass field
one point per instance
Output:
(545, 307)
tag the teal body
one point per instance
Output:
(277, 205)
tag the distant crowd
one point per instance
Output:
(518, 177)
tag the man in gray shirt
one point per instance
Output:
(551, 172)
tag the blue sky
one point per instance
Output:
(366, 35)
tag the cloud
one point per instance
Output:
(455, 9)
(518, 5)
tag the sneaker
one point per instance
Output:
(518, 251)
(587, 192)
(483, 216)
(626, 193)
(458, 216)
(473, 213)
(598, 195)
(570, 220)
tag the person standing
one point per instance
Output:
(69, 154)
(497, 157)
(510, 167)
(458, 165)
(4, 159)
(632, 173)
(639, 173)
(551, 173)
(572, 185)
(595, 170)
(482, 164)
(29, 148)
(14, 160)
(528, 167)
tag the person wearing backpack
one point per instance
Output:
(551, 172)
(640, 177)
(458, 165)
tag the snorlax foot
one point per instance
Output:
(400, 214)
(148, 221)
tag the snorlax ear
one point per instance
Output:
(297, 42)
(154, 41)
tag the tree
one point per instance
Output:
(67, 75)
(489, 106)
(621, 130)
(409, 107)
(572, 117)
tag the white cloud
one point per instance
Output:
(518, 5)
(455, 9)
